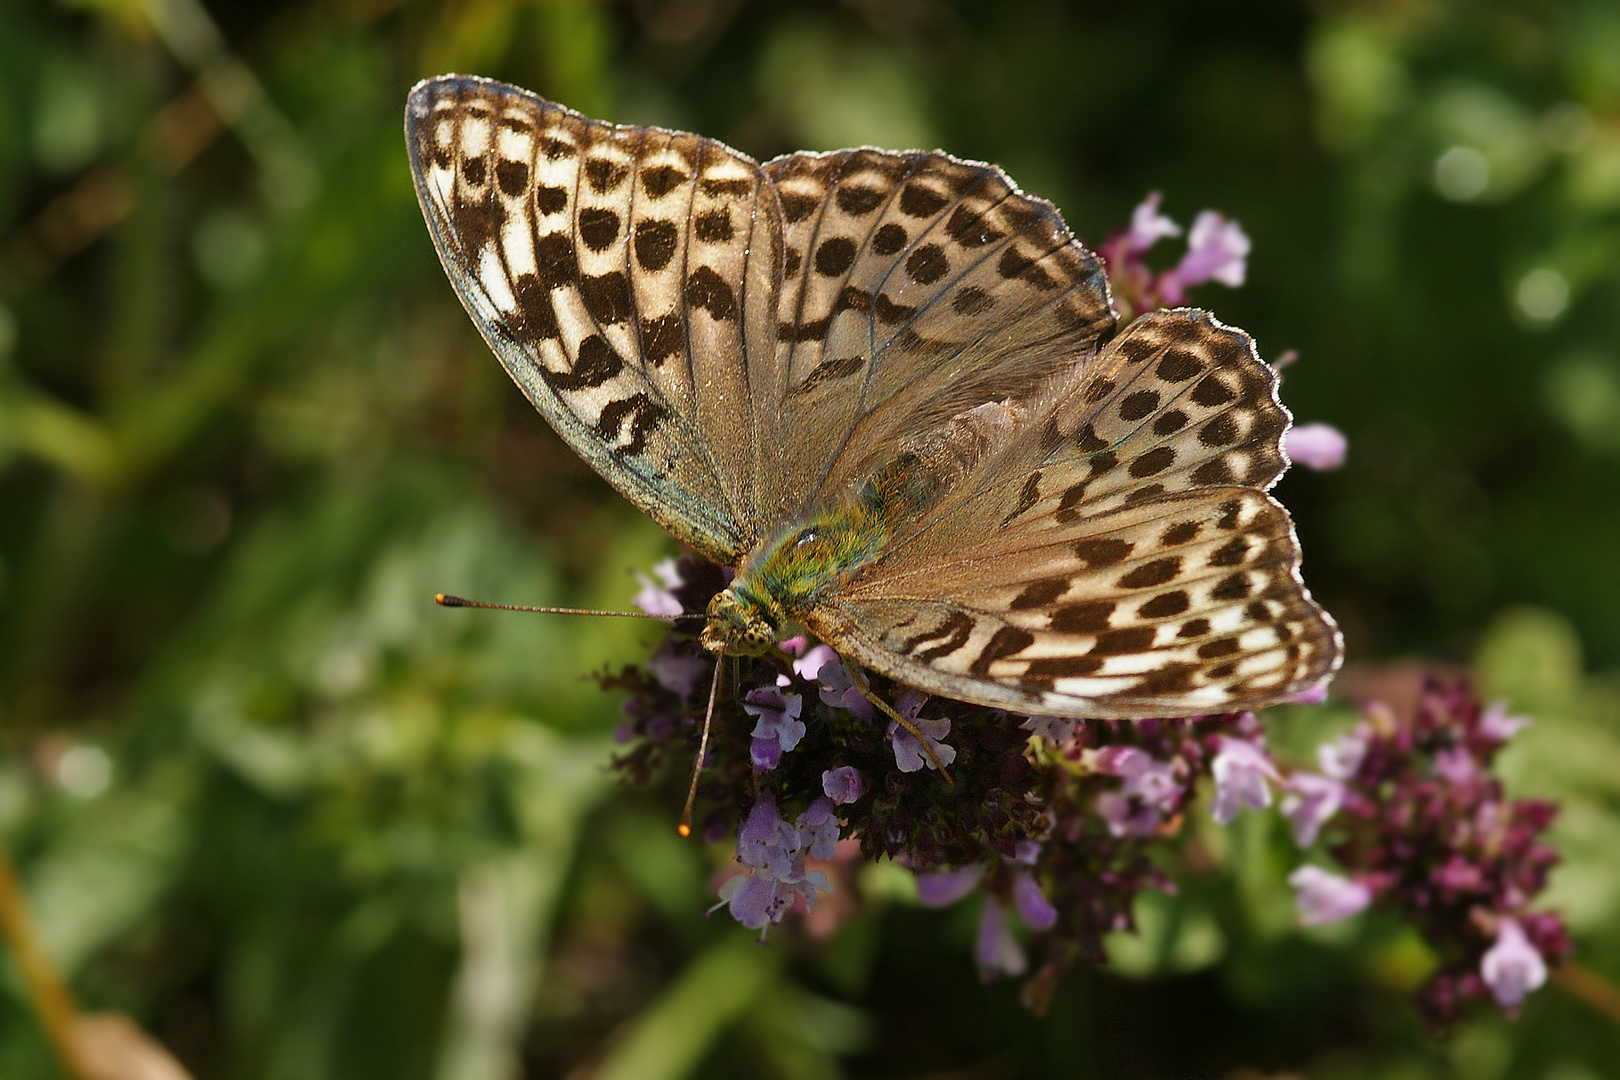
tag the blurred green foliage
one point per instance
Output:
(301, 824)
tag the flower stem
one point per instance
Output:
(1590, 987)
(44, 987)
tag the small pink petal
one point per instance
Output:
(1316, 446)
(1512, 968)
(1323, 897)
(1148, 226)
(946, 887)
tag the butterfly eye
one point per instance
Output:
(806, 537)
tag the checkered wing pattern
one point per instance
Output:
(623, 276)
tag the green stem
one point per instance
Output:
(43, 986)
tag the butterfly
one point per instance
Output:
(889, 391)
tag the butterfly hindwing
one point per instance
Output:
(622, 275)
(1179, 606)
(1104, 561)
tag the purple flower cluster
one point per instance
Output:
(807, 732)
(1113, 791)
(773, 855)
(1409, 806)
(1054, 821)
(1217, 250)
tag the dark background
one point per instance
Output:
(300, 823)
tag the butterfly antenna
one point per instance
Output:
(685, 827)
(446, 600)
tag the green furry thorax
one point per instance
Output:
(789, 573)
(809, 558)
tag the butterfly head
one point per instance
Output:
(738, 626)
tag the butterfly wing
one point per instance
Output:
(622, 275)
(1117, 557)
(917, 287)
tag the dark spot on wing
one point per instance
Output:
(1153, 573)
(655, 244)
(705, 289)
(598, 228)
(1090, 617)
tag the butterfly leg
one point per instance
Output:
(858, 680)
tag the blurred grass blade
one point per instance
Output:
(675, 1032)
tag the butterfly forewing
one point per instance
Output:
(918, 286)
(622, 275)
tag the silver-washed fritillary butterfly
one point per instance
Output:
(888, 390)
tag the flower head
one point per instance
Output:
(843, 785)
(778, 728)
(1241, 770)
(1148, 226)
(659, 599)
(1310, 802)
(773, 855)
(1323, 897)
(1512, 968)
(1316, 446)
(1217, 250)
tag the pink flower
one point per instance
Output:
(1313, 696)
(1455, 765)
(756, 901)
(1033, 906)
(1217, 250)
(1495, 723)
(823, 666)
(1148, 226)
(997, 951)
(1149, 794)
(773, 855)
(1241, 770)
(1512, 968)
(1341, 758)
(843, 785)
(1120, 760)
(814, 659)
(1310, 802)
(1323, 897)
(908, 752)
(766, 843)
(778, 728)
(1054, 729)
(1316, 446)
(818, 829)
(945, 887)
(656, 600)
(677, 667)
